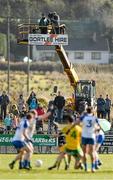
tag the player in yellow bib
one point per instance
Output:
(73, 141)
(71, 147)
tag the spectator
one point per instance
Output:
(43, 24)
(1, 120)
(15, 122)
(7, 123)
(24, 112)
(51, 118)
(59, 102)
(39, 126)
(14, 110)
(33, 104)
(39, 123)
(32, 96)
(100, 107)
(20, 102)
(2, 129)
(4, 101)
(107, 107)
(40, 110)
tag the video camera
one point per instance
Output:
(51, 15)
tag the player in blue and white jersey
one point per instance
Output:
(99, 141)
(30, 131)
(89, 124)
(21, 140)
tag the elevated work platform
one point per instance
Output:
(31, 34)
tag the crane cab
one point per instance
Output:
(33, 34)
(85, 95)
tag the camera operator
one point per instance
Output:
(55, 22)
(43, 24)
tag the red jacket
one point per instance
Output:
(40, 111)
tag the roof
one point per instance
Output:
(82, 44)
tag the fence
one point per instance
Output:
(45, 144)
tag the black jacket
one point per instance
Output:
(100, 104)
(4, 100)
(59, 102)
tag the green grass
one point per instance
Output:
(105, 173)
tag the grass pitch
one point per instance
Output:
(105, 173)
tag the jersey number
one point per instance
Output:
(89, 123)
(73, 134)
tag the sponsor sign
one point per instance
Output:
(107, 146)
(48, 39)
(108, 142)
(38, 140)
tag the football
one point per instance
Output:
(38, 163)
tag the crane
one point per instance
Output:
(68, 67)
(84, 90)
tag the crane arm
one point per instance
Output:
(68, 67)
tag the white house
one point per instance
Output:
(80, 50)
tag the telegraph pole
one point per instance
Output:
(28, 63)
(8, 45)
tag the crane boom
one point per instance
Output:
(68, 67)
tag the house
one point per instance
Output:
(2, 58)
(89, 50)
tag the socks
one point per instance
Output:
(21, 164)
(26, 163)
(85, 166)
(29, 163)
(65, 160)
(96, 163)
(93, 166)
(99, 161)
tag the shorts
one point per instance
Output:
(89, 141)
(100, 139)
(18, 144)
(75, 152)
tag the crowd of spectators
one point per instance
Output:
(11, 114)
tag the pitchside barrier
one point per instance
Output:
(107, 146)
(44, 143)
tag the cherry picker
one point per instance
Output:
(84, 90)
